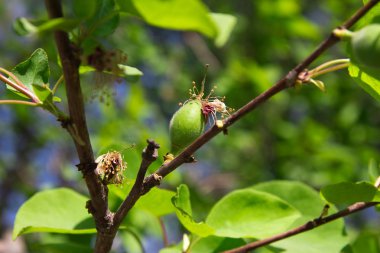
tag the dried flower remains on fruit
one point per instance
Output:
(111, 167)
(189, 121)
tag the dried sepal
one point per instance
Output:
(111, 167)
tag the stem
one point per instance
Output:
(330, 69)
(20, 102)
(60, 80)
(164, 232)
(15, 78)
(21, 88)
(328, 64)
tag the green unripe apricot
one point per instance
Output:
(186, 125)
(365, 45)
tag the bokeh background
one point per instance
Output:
(301, 134)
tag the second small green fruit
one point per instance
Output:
(186, 125)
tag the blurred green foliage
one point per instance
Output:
(301, 134)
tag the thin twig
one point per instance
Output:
(303, 228)
(21, 88)
(149, 155)
(164, 232)
(60, 80)
(285, 82)
(19, 102)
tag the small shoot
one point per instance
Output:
(308, 76)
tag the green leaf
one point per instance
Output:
(25, 27)
(184, 213)
(65, 24)
(84, 8)
(59, 210)
(215, 244)
(43, 92)
(225, 24)
(251, 214)
(157, 201)
(367, 242)
(34, 70)
(296, 194)
(130, 71)
(61, 247)
(370, 16)
(126, 71)
(22, 26)
(347, 193)
(106, 19)
(373, 170)
(308, 202)
(190, 15)
(368, 80)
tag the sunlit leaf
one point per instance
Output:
(308, 202)
(58, 210)
(368, 81)
(216, 244)
(251, 214)
(157, 201)
(190, 15)
(34, 70)
(184, 213)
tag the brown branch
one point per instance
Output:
(70, 64)
(105, 239)
(303, 228)
(285, 82)
(149, 155)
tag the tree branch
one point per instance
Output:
(149, 155)
(285, 82)
(98, 205)
(306, 227)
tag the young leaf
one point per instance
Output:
(34, 70)
(58, 210)
(190, 15)
(369, 81)
(251, 214)
(347, 193)
(184, 213)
